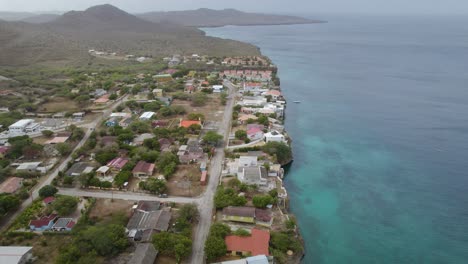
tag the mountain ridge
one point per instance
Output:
(205, 17)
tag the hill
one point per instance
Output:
(215, 18)
(14, 16)
(42, 18)
(105, 27)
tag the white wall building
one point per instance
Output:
(275, 136)
(147, 115)
(24, 126)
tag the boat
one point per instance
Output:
(296, 102)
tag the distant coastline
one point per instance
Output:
(269, 24)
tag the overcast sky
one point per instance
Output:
(277, 6)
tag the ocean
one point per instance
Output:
(380, 137)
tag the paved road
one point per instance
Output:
(47, 180)
(206, 203)
(129, 196)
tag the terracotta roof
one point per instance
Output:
(11, 185)
(263, 215)
(239, 211)
(143, 166)
(256, 244)
(188, 123)
(49, 199)
(274, 92)
(254, 130)
(43, 221)
(3, 149)
(117, 163)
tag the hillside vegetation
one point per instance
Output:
(69, 37)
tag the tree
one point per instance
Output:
(282, 151)
(212, 138)
(113, 96)
(105, 156)
(107, 240)
(261, 201)
(182, 249)
(7, 203)
(47, 133)
(65, 205)
(195, 116)
(188, 212)
(215, 245)
(199, 99)
(153, 185)
(241, 134)
(122, 177)
(47, 191)
(167, 163)
(63, 148)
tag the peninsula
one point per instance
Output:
(177, 158)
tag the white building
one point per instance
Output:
(12, 255)
(275, 136)
(218, 88)
(23, 126)
(147, 115)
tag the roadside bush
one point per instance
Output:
(47, 191)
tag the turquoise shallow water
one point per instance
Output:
(380, 138)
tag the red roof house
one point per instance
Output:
(143, 169)
(117, 163)
(188, 123)
(49, 200)
(3, 151)
(255, 244)
(42, 224)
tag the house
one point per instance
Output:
(99, 92)
(203, 177)
(275, 94)
(275, 171)
(218, 88)
(159, 123)
(78, 169)
(16, 255)
(56, 140)
(29, 167)
(3, 151)
(244, 118)
(102, 171)
(162, 78)
(239, 214)
(143, 169)
(255, 133)
(145, 253)
(78, 115)
(23, 126)
(147, 206)
(192, 152)
(165, 144)
(274, 136)
(252, 87)
(247, 161)
(48, 200)
(103, 99)
(143, 224)
(188, 123)
(63, 224)
(117, 164)
(158, 92)
(112, 122)
(147, 115)
(121, 115)
(138, 141)
(263, 217)
(11, 185)
(255, 101)
(253, 175)
(255, 244)
(42, 224)
(260, 259)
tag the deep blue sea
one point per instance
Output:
(380, 138)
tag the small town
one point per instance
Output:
(172, 160)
